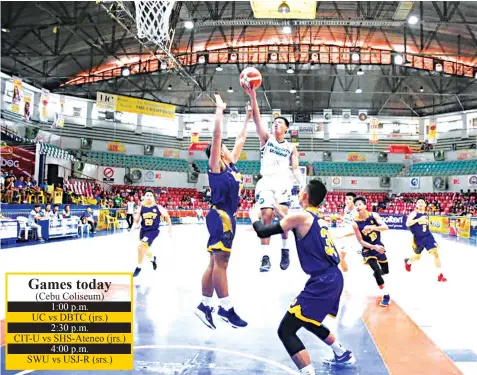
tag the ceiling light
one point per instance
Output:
(314, 56)
(125, 71)
(421, 89)
(412, 20)
(475, 74)
(284, 8)
(292, 91)
(273, 56)
(219, 68)
(189, 24)
(355, 56)
(359, 91)
(169, 87)
(201, 59)
(286, 30)
(230, 90)
(233, 57)
(438, 67)
(360, 72)
(398, 60)
(290, 70)
(5, 30)
(163, 65)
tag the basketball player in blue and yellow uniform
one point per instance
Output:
(367, 228)
(225, 184)
(418, 223)
(149, 214)
(321, 295)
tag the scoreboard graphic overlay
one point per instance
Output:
(69, 321)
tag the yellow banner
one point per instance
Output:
(116, 147)
(467, 154)
(171, 153)
(453, 226)
(356, 156)
(110, 102)
(243, 155)
(439, 224)
(194, 137)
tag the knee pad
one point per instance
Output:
(289, 338)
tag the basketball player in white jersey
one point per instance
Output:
(345, 238)
(277, 182)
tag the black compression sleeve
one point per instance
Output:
(265, 231)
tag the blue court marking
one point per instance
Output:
(461, 355)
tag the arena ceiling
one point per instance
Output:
(77, 48)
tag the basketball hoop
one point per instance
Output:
(152, 20)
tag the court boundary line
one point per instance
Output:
(278, 365)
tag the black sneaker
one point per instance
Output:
(154, 264)
(265, 267)
(231, 317)
(136, 272)
(285, 262)
(204, 313)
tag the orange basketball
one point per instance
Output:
(250, 77)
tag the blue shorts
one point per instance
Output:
(428, 242)
(221, 229)
(321, 297)
(147, 237)
(373, 254)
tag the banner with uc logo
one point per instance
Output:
(414, 182)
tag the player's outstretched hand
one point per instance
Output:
(254, 214)
(379, 249)
(220, 103)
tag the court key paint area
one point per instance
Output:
(428, 329)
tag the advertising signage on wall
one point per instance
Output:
(118, 103)
(356, 156)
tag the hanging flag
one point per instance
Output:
(27, 109)
(374, 130)
(45, 97)
(59, 116)
(17, 94)
(432, 131)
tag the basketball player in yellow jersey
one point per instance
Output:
(276, 183)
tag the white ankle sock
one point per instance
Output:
(138, 266)
(207, 301)
(225, 303)
(308, 370)
(338, 348)
(265, 249)
(284, 243)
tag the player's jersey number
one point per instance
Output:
(330, 246)
(373, 236)
(148, 222)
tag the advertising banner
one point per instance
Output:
(395, 221)
(473, 227)
(466, 155)
(374, 131)
(355, 156)
(336, 181)
(432, 131)
(17, 94)
(119, 103)
(27, 109)
(439, 224)
(473, 181)
(115, 147)
(459, 227)
(45, 97)
(414, 182)
(171, 153)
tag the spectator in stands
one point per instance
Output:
(67, 212)
(20, 185)
(87, 218)
(44, 189)
(118, 200)
(2, 178)
(10, 191)
(33, 218)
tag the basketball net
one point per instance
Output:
(152, 20)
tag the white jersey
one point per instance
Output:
(275, 158)
(349, 216)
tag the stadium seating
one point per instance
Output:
(444, 168)
(136, 161)
(357, 169)
(251, 167)
(335, 200)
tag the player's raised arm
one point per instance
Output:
(216, 147)
(242, 136)
(296, 167)
(262, 132)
